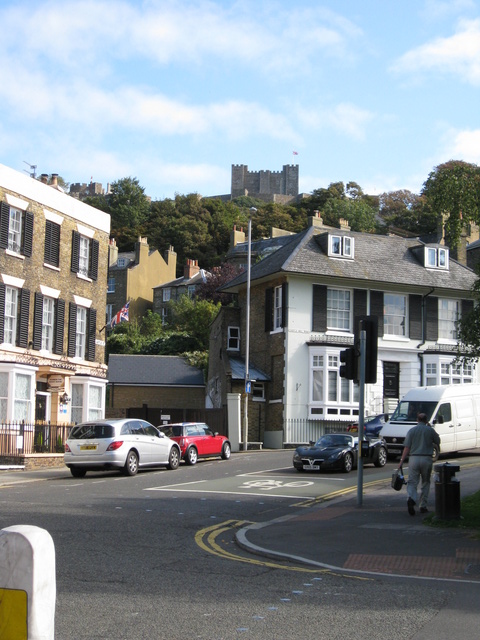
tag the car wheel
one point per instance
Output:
(78, 472)
(381, 459)
(226, 450)
(173, 459)
(131, 464)
(436, 453)
(191, 457)
(348, 462)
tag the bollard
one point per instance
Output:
(27, 584)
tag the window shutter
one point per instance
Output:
(72, 330)
(22, 338)
(467, 307)
(92, 328)
(27, 234)
(59, 327)
(52, 243)
(75, 251)
(269, 309)
(376, 309)
(2, 311)
(431, 312)
(284, 304)
(359, 302)
(4, 222)
(415, 317)
(319, 311)
(38, 321)
(93, 272)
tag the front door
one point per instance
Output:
(391, 380)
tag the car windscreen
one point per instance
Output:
(172, 430)
(407, 411)
(90, 431)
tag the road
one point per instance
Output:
(154, 557)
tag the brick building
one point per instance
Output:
(133, 275)
(53, 275)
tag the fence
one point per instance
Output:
(22, 438)
(302, 430)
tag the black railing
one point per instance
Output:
(23, 438)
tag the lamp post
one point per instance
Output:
(247, 333)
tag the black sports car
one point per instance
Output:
(338, 451)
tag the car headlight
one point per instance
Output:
(296, 457)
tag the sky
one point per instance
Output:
(173, 92)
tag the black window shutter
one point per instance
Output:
(269, 309)
(319, 311)
(431, 311)
(93, 271)
(376, 309)
(23, 315)
(72, 330)
(359, 302)
(27, 234)
(75, 251)
(2, 311)
(284, 304)
(38, 321)
(52, 243)
(92, 328)
(467, 307)
(415, 317)
(59, 327)
(4, 222)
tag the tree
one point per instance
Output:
(219, 276)
(468, 349)
(408, 211)
(127, 203)
(453, 188)
(360, 215)
(194, 317)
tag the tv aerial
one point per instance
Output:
(33, 169)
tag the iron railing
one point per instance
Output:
(23, 438)
(302, 430)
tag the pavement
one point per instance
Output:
(374, 534)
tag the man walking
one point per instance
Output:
(418, 447)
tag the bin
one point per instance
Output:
(447, 491)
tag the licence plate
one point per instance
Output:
(311, 467)
(88, 447)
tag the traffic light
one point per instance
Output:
(348, 368)
(369, 324)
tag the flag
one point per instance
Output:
(295, 153)
(121, 316)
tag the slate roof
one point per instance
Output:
(382, 261)
(171, 371)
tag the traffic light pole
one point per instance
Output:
(361, 422)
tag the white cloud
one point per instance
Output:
(458, 55)
(345, 118)
(464, 145)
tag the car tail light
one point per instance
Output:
(67, 448)
(113, 446)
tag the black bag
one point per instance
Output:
(398, 479)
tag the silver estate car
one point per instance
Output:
(128, 445)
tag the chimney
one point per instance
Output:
(141, 249)
(44, 178)
(190, 269)
(54, 182)
(112, 252)
(344, 224)
(315, 220)
(236, 237)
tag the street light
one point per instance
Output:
(247, 333)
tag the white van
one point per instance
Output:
(453, 410)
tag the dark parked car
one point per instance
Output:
(338, 451)
(124, 444)
(372, 426)
(197, 440)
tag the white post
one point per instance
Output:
(247, 331)
(27, 583)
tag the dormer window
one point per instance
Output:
(436, 257)
(340, 246)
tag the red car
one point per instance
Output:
(197, 440)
